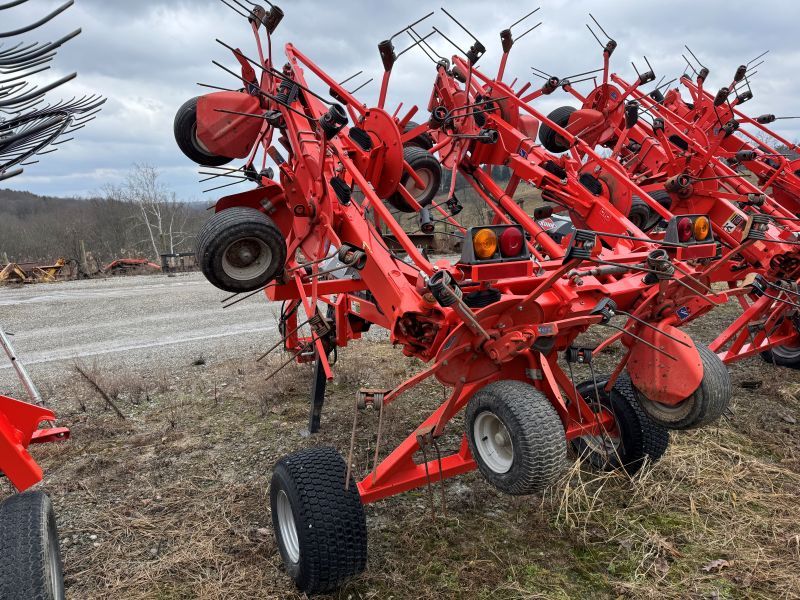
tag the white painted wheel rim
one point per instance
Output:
(411, 185)
(786, 352)
(493, 442)
(288, 529)
(246, 259)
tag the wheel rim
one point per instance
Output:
(493, 442)
(411, 185)
(288, 528)
(603, 449)
(787, 352)
(198, 143)
(246, 259)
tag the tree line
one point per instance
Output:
(140, 218)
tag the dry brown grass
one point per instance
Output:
(181, 511)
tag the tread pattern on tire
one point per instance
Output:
(536, 430)
(707, 403)
(185, 132)
(230, 219)
(417, 157)
(547, 136)
(330, 520)
(655, 437)
(26, 522)
(640, 213)
(423, 140)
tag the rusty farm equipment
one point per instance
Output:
(31, 272)
(498, 328)
(30, 562)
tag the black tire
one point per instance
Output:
(424, 140)
(240, 250)
(549, 138)
(704, 406)
(783, 356)
(186, 136)
(427, 166)
(638, 438)
(330, 528)
(30, 561)
(640, 213)
(532, 428)
(665, 200)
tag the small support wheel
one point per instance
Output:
(516, 437)
(30, 560)
(423, 140)
(185, 128)
(640, 213)
(548, 136)
(428, 169)
(783, 356)
(704, 406)
(240, 250)
(634, 438)
(320, 526)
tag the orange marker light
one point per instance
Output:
(702, 229)
(485, 243)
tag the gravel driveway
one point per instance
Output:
(136, 323)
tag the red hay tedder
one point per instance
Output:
(654, 237)
(686, 158)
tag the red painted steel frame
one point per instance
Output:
(715, 192)
(497, 342)
(19, 422)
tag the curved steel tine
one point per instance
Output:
(12, 4)
(44, 90)
(25, 75)
(40, 22)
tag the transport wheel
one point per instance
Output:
(783, 356)
(186, 135)
(516, 437)
(704, 406)
(549, 138)
(665, 200)
(240, 249)
(320, 526)
(427, 166)
(30, 561)
(640, 214)
(424, 140)
(635, 436)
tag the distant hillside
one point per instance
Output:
(36, 228)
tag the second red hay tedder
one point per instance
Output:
(647, 247)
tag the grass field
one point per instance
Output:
(172, 502)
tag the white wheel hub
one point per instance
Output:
(493, 442)
(411, 185)
(291, 543)
(246, 259)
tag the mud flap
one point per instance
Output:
(669, 376)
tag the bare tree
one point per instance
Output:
(163, 219)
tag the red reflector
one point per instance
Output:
(511, 242)
(685, 230)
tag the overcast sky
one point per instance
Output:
(147, 55)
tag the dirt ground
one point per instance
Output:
(171, 502)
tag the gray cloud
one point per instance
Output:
(146, 57)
